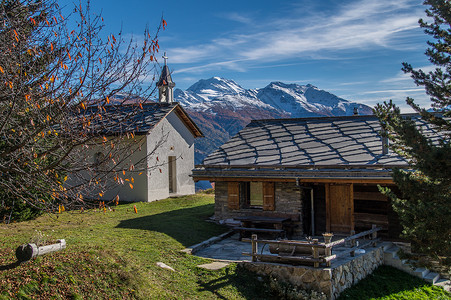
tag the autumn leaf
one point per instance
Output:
(135, 209)
(1, 69)
(131, 186)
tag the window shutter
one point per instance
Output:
(233, 199)
(268, 196)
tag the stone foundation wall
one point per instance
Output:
(288, 200)
(330, 281)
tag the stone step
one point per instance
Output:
(391, 252)
(444, 284)
(421, 272)
(432, 277)
(386, 245)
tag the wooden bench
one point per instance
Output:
(264, 224)
(242, 230)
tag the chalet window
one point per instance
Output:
(258, 195)
(172, 173)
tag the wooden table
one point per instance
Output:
(256, 224)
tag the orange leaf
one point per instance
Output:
(1, 70)
(107, 100)
(51, 46)
(131, 186)
(136, 210)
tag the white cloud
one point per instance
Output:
(363, 24)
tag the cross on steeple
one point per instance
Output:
(165, 58)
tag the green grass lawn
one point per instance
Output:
(113, 255)
(388, 283)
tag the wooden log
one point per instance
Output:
(356, 236)
(254, 247)
(28, 251)
(286, 242)
(279, 258)
(315, 253)
(345, 252)
(293, 248)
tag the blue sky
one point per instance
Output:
(353, 49)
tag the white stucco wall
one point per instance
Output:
(177, 141)
(169, 138)
(139, 191)
(111, 188)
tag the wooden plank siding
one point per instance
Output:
(233, 195)
(268, 196)
(340, 208)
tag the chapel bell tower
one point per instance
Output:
(165, 84)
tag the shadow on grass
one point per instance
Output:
(386, 281)
(187, 225)
(10, 266)
(244, 281)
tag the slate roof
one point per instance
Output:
(319, 147)
(119, 119)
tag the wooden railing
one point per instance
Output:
(312, 252)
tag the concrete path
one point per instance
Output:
(229, 249)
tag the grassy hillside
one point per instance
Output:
(113, 255)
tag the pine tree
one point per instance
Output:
(424, 208)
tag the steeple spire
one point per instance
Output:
(165, 84)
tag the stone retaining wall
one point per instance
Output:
(330, 281)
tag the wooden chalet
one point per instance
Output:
(321, 173)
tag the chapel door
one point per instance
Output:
(340, 208)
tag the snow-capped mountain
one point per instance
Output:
(221, 107)
(217, 91)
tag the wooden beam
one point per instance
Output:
(375, 196)
(351, 203)
(326, 187)
(301, 180)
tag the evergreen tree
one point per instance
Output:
(424, 208)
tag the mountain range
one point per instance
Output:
(221, 108)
